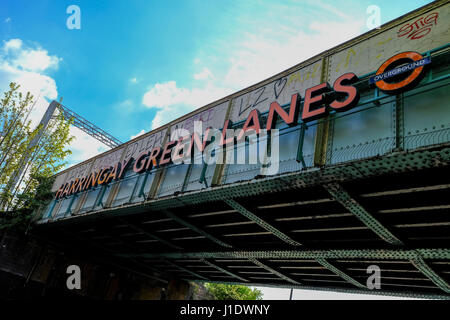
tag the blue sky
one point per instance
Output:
(135, 65)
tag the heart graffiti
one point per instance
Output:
(278, 86)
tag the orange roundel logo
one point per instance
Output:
(400, 72)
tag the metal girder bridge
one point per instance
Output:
(373, 190)
(281, 231)
(88, 127)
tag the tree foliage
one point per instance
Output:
(29, 157)
(233, 292)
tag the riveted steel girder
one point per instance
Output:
(235, 205)
(337, 289)
(148, 234)
(215, 266)
(184, 269)
(196, 229)
(423, 267)
(342, 196)
(339, 272)
(88, 127)
(323, 127)
(397, 162)
(275, 272)
(387, 254)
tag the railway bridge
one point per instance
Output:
(362, 179)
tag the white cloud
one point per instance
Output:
(204, 74)
(261, 50)
(260, 57)
(84, 146)
(29, 67)
(172, 101)
(12, 44)
(134, 80)
(15, 67)
(28, 59)
(125, 104)
(331, 9)
(35, 60)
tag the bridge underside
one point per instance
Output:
(314, 229)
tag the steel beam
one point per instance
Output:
(115, 238)
(323, 127)
(144, 265)
(295, 203)
(184, 269)
(399, 122)
(339, 272)
(224, 270)
(414, 209)
(88, 127)
(382, 254)
(405, 191)
(134, 227)
(354, 207)
(235, 205)
(196, 229)
(425, 269)
(275, 272)
(33, 143)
